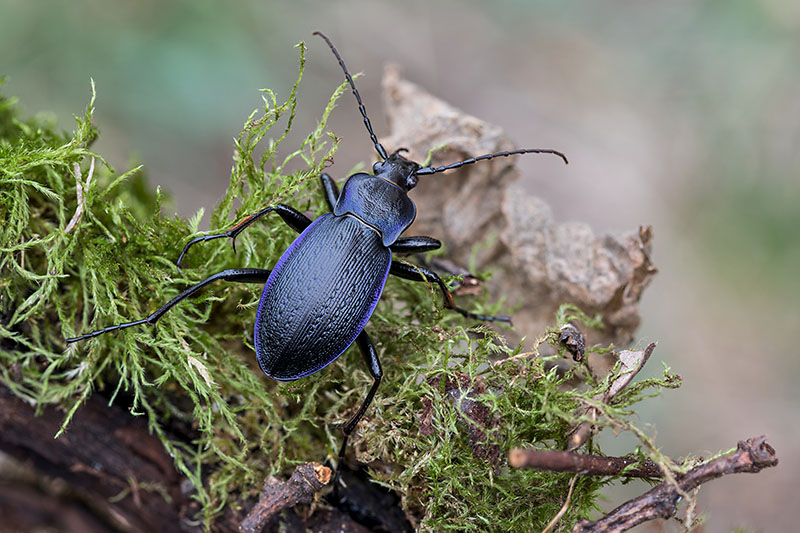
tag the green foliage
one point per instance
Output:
(84, 247)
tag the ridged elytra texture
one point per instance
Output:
(319, 296)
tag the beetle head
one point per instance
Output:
(398, 170)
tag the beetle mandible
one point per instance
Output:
(319, 296)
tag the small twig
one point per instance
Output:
(523, 355)
(691, 507)
(582, 433)
(563, 509)
(79, 189)
(277, 495)
(632, 363)
(586, 465)
(661, 501)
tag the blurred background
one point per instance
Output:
(684, 115)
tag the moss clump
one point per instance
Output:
(195, 377)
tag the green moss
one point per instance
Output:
(198, 371)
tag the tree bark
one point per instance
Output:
(105, 473)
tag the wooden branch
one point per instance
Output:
(661, 501)
(106, 469)
(587, 465)
(277, 495)
(632, 363)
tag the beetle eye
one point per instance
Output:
(411, 182)
(376, 168)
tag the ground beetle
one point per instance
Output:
(320, 295)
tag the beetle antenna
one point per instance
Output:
(378, 146)
(430, 170)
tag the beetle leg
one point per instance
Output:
(330, 188)
(371, 358)
(415, 245)
(294, 218)
(418, 273)
(243, 275)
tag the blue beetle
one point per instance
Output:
(319, 296)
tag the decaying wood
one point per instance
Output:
(538, 263)
(105, 472)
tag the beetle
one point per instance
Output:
(319, 296)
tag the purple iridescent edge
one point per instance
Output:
(270, 281)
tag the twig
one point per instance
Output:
(691, 507)
(661, 501)
(561, 512)
(277, 495)
(586, 465)
(514, 358)
(79, 189)
(632, 363)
